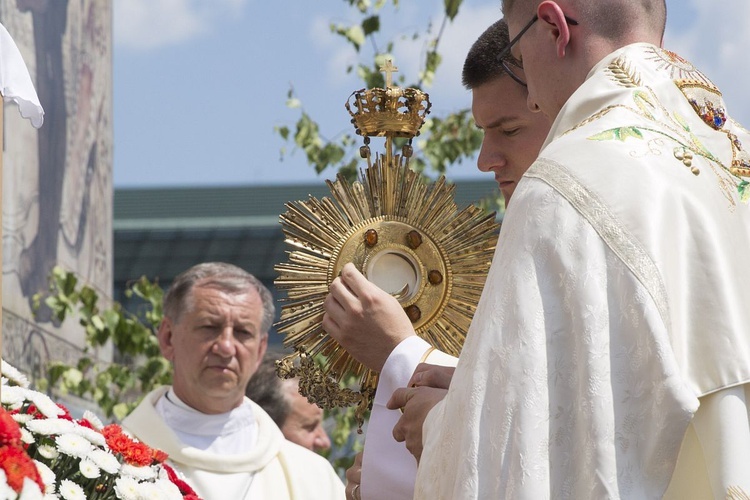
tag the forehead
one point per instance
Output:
(212, 301)
(499, 99)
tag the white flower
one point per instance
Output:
(71, 491)
(105, 461)
(90, 435)
(12, 396)
(5, 490)
(44, 403)
(93, 420)
(140, 473)
(127, 488)
(73, 445)
(13, 375)
(30, 490)
(48, 477)
(48, 451)
(50, 426)
(22, 418)
(89, 469)
(168, 490)
(26, 436)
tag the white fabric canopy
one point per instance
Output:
(15, 81)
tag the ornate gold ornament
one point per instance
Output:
(407, 237)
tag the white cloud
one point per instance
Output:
(148, 24)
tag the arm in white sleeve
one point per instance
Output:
(388, 469)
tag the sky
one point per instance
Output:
(200, 85)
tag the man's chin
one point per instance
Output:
(507, 192)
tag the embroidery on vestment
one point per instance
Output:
(708, 103)
(702, 95)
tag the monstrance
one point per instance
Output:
(403, 234)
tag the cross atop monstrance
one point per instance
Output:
(388, 68)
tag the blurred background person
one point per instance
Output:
(300, 421)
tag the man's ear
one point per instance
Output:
(262, 348)
(165, 338)
(553, 18)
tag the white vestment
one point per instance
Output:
(273, 469)
(388, 469)
(613, 332)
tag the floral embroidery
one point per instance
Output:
(704, 98)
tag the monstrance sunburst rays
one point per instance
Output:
(404, 235)
(390, 216)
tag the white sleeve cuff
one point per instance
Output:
(399, 367)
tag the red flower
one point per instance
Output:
(66, 414)
(185, 489)
(18, 465)
(34, 411)
(10, 431)
(158, 456)
(134, 452)
(137, 454)
(85, 423)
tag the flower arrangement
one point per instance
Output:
(45, 453)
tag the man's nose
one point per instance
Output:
(490, 157)
(322, 441)
(224, 345)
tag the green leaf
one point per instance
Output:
(451, 8)
(293, 103)
(121, 410)
(681, 120)
(371, 25)
(744, 190)
(619, 133)
(72, 378)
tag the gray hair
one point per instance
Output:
(225, 277)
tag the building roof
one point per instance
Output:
(160, 232)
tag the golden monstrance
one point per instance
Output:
(404, 235)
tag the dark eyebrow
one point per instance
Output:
(500, 121)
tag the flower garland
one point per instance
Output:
(47, 454)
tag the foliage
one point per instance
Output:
(444, 141)
(138, 367)
(345, 436)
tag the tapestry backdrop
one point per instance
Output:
(57, 198)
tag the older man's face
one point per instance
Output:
(215, 347)
(304, 424)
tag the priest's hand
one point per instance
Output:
(415, 403)
(354, 478)
(366, 321)
(428, 375)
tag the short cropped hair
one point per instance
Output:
(267, 390)
(225, 277)
(482, 64)
(613, 19)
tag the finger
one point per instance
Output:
(339, 291)
(355, 280)
(432, 376)
(399, 398)
(399, 431)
